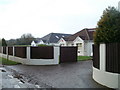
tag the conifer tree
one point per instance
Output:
(108, 27)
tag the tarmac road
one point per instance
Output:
(66, 75)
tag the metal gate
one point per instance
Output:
(68, 54)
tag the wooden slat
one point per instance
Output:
(20, 52)
(43, 52)
(96, 56)
(113, 57)
(10, 50)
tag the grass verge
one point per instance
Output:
(4, 61)
(83, 58)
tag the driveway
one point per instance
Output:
(65, 75)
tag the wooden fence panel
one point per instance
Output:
(20, 52)
(68, 54)
(4, 50)
(43, 52)
(96, 56)
(10, 50)
(113, 57)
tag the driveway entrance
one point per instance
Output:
(64, 75)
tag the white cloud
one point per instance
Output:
(41, 17)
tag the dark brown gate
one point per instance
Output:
(68, 54)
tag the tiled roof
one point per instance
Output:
(85, 34)
(53, 37)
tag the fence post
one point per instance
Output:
(102, 56)
(56, 54)
(7, 53)
(28, 53)
(13, 51)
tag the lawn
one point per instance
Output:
(4, 61)
(82, 58)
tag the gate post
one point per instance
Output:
(56, 54)
(102, 56)
(28, 53)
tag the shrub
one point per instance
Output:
(108, 27)
(42, 45)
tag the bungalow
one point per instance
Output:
(49, 39)
(83, 39)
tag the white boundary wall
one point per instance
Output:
(108, 79)
(29, 61)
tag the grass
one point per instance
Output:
(83, 58)
(4, 61)
(22, 45)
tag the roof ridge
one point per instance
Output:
(87, 33)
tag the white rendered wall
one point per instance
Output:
(13, 58)
(108, 79)
(29, 61)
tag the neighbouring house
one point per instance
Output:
(49, 39)
(83, 39)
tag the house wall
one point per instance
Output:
(41, 42)
(88, 48)
(62, 42)
(85, 49)
(33, 43)
(79, 41)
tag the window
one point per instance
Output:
(62, 45)
(79, 44)
(78, 51)
(72, 44)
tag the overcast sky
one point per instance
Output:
(41, 17)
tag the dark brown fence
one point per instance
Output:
(4, 50)
(96, 56)
(68, 54)
(113, 57)
(43, 52)
(10, 50)
(20, 52)
(0, 49)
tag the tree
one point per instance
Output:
(11, 42)
(4, 42)
(0, 42)
(25, 39)
(108, 27)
